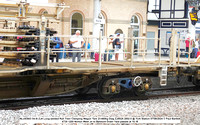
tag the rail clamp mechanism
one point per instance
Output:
(163, 76)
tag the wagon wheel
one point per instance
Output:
(195, 80)
(101, 89)
(139, 91)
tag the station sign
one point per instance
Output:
(193, 17)
(99, 21)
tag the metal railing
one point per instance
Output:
(140, 52)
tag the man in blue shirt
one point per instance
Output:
(58, 46)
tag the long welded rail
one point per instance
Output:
(22, 103)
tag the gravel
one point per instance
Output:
(187, 108)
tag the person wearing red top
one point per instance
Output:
(187, 42)
(198, 53)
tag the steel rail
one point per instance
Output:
(22, 103)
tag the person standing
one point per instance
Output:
(59, 45)
(187, 43)
(198, 42)
(196, 49)
(77, 43)
(111, 41)
(116, 46)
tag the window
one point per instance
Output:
(119, 31)
(135, 25)
(172, 9)
(134, 20)
(43, 11)
(151, 41)
(76, 23)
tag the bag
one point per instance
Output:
(96, 57)
(193, 44)
(117, 45)
(192, 54)
(88, 47)
(57, 46)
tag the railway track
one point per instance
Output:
(173, 92)
(22, 103)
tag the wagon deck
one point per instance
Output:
(94, 66)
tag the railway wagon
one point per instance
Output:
(26, 68)
(29, 72)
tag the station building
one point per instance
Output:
(127, 17)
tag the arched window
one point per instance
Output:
(135, 25)
(43, 11)
(119, 31)
(102, 26)
(76, 23)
